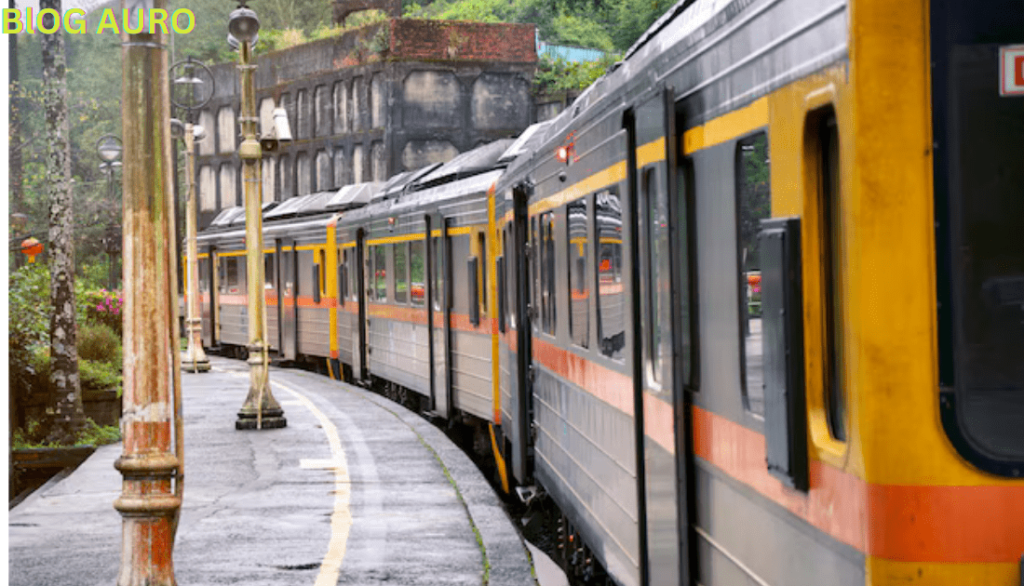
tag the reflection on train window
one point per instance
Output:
(547, 267)
(401, 276)
(611, 312)
(416, 271)
(831, 237)
(579, 292)
(380, 285)
(268, 271)
(754, 204)
(659, 315)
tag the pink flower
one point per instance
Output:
(99, 308)
(115, 311)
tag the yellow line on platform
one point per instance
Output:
(341, 518)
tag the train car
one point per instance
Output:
(416, 268)
(770, 271)
(748, 311)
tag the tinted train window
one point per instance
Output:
(437, 274)
(401, 276)
(547, 260)
(380, 283)
(579, 291)
(831, 239)
(231, 274)
(204, 281)
(611, 307)
(686, 296)
(268, 271)
(753, 204)
(482, 247)
(416, 273)
(981, 250)
(535, 280)
(510, 278)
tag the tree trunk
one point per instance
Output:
(67, 416)
(14, 153)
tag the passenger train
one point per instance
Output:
(749, 311)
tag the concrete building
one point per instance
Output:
(385, 98)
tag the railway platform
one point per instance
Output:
(355, 490)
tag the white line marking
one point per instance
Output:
(341, 518)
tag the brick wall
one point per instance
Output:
(430, 40)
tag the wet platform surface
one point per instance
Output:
(355, 490)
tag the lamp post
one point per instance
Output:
(190, 99)
(108, 147)
(260, 410)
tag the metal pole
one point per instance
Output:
(111, 277)
(195, 358)
(150, 496)
(260, 410)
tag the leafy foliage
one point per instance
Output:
(554, 75)
(98, 375)
(92, 435)
(99, 342)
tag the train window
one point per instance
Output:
(268, 271)
(322, 253)
(380, 285)
(437, 274)
(482, 247)
(416, 271)
(510, 280)
(401, 272)
(547, 259)
(831, 239)
(687, 293)
(204, 281)
(753, 204)
(611, 310)
(980, 213)
(658, 290)
(535, 280)
(579, 292)
(231, 274)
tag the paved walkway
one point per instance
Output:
(355, 490)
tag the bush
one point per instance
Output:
(32, 435)
(98, 342)
(98, 376)
(103, 307)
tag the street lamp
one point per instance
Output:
(108, 147)
(191, 98)
(260, 410)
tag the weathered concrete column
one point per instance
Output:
(149, 500)
(260, 410)
(195, 359)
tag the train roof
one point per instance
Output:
(472, 162)
(352, 196)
